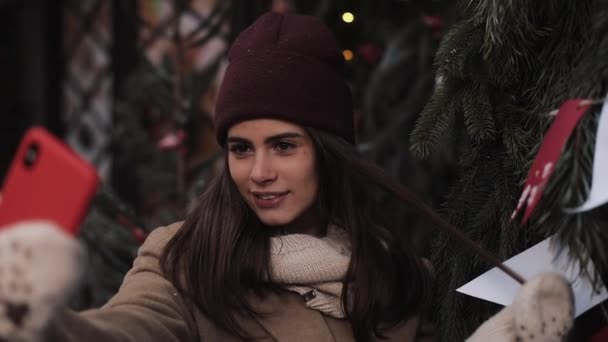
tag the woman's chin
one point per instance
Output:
(275, 221)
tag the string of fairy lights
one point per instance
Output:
(349, 18)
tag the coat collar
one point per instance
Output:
(285, 317)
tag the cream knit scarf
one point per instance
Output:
(313, 267)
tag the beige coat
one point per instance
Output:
(148, 308)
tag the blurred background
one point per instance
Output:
(131, 86)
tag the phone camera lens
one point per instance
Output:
(31, 155)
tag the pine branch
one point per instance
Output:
(478, 113)
(457, 50)
(435, 120)
(516, 139)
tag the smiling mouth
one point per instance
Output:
(268, 195)
(268, 200)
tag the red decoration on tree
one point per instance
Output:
(567, 118)
(601, 336)
(173, 141)
(435, 23)
(370, 52)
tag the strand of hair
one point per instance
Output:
(406, 196)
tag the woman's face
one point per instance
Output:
(272, 163)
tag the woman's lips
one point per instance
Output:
(268, 200)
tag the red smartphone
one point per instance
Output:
(47, 180)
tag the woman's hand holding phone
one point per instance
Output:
(44, 198)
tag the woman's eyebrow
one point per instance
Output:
(237, 140)
(277, 137)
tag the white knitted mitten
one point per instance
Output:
(543, 311)
(40, 267)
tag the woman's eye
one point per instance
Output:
(283, 146)
(239, 149)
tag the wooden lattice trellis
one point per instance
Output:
(192, 34)
(87, 79)
(96, 86)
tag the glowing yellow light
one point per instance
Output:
(348, 54)
(348, 17)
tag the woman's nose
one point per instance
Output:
(262, 171)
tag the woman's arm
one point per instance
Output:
(146, 308)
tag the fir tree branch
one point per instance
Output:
(457, 51)
(435, 120)
(478, 113)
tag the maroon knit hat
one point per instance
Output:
(287, 67)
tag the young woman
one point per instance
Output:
(287, 243)
(285, 117)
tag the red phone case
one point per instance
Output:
(56, 186)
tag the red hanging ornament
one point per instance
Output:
(435, 23)
(600, 336)
(173, 141)
(553, 144)
(370, 53)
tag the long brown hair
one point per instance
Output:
(221, 252)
